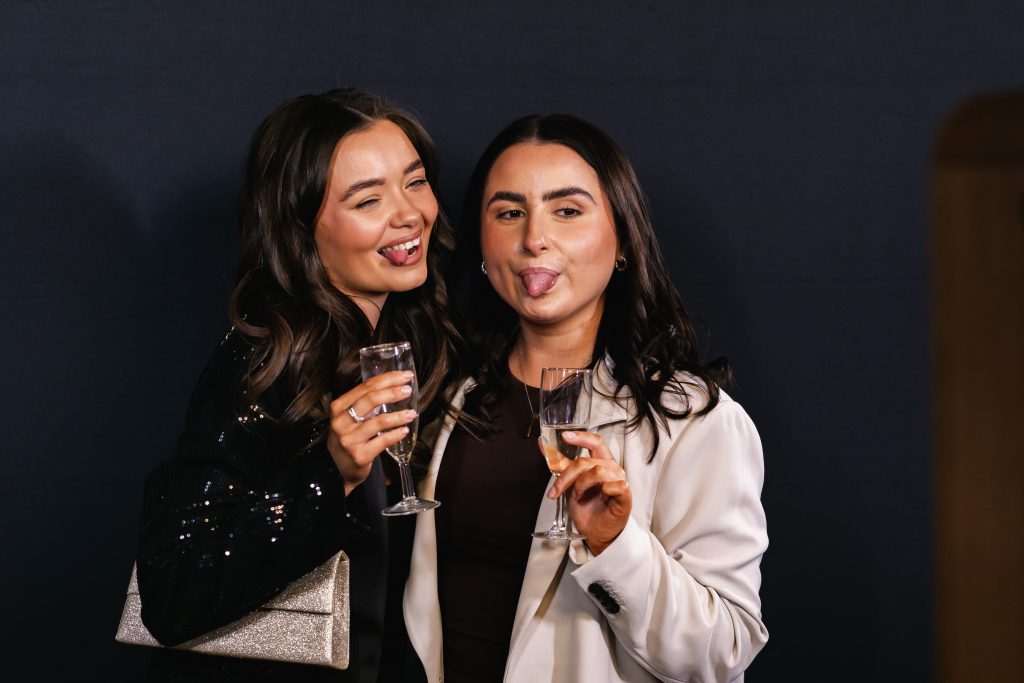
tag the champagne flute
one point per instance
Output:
(376, 360)
(565, 396)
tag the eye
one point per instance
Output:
(417, 183)
(510, 214)
(367, 203)
(568, 212)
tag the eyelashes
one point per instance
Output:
(414, 184)
(516, 214)
(510, 214)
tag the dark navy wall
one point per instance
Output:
(784, 146)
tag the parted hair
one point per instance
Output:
(644, 328)
(305, 332)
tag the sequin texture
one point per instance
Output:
(243, 508)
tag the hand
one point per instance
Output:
(599, 496)
(354, 445)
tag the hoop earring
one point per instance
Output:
(483, 268)
(620, 263)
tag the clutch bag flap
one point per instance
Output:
(308, 622)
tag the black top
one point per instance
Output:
(244, 507)
(490, 491)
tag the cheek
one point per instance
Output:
(344, 238)
(493, 242)
(596, 246)
(428, 208)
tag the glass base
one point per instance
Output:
(409, 506)
(558, 535)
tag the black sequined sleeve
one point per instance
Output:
(240, 510)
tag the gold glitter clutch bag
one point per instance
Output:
(308, 622)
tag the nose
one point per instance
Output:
(534, 238)
(405, 214)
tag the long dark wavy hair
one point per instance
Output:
(644, 328)
(305, 332)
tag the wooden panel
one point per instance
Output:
(978, 393)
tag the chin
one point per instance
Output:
(408, 281)
(538, 315)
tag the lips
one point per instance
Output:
(399, 253)
(538, 281)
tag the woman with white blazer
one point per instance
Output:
(566, 272)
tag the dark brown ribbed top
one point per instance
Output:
(490, 491)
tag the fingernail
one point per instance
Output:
(409, 414)
(406, 390)
(408, 374)
(571, 435)
(551, 493)
(405, 430)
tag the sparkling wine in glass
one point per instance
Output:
(376, 360)
(565, 397)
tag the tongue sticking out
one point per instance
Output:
(539, 282)
(397, 256)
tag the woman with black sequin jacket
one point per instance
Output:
(337, 212)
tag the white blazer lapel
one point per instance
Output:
(420, 604)
(541, 578)
(607, 408)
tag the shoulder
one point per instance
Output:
(226, 368)
(685, 393)
(689, 392)
(233, 350)
(718, 445)
(727, 421)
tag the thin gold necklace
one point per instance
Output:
(526, 390)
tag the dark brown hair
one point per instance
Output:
(644, 328)
(304, 330)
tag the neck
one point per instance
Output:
(370, 306)
(542, 346)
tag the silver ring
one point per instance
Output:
(352, 414)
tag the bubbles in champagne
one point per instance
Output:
(557, 452)
(402, 451)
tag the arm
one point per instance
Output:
(240, 511)
(686, 589)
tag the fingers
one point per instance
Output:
(389, 387)
(372, 400)
(355, 441)
(599, 453)
(600, 480)
(592, 442)
(614, 489)
(354, 462)
(355, 436)
(383, 440)
(586, 473)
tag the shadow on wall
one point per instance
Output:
(109, 315)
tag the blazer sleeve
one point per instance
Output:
(682, 596)
(240, 510)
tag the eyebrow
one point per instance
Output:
(560, 193)
(374, 182)
(564, 192)
(502, 195)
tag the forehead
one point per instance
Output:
(373, 150)
(541, 166)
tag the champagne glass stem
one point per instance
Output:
(407, 488)
(562, 514)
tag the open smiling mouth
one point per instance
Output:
(399, 254)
